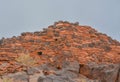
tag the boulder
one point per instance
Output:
(102, 72)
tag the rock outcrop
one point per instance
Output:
(63, 52)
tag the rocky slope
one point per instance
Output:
(64, 52)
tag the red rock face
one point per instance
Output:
(60, 42)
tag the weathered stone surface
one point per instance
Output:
(102, 72)
(72, 66)
(20, 76)
(71, 72)
(1, 80)
(37, 77)
(33, 70)
(118, 76)
(58, 50)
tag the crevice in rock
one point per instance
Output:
(79, 67)
(84, 70)
(118, 75)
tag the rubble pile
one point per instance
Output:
(97, 55)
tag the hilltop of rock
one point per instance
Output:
(59, 43)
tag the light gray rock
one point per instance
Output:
(102, 72)
(70, 72)
(33, 70)
(20, 76)
(73, 66)
(37, 77)
(40, 79)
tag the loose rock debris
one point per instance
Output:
(57, 44)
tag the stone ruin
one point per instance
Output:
(64, 52)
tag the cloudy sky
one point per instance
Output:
(18, 16)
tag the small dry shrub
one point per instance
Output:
(26, 60)
(7, 80)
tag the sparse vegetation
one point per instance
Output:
(7, 80)
(26, 60)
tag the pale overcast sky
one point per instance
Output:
(18, 16)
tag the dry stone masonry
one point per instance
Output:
(63, 52)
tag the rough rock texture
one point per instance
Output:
(103, 72)
(69, 73)
(64, 52)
